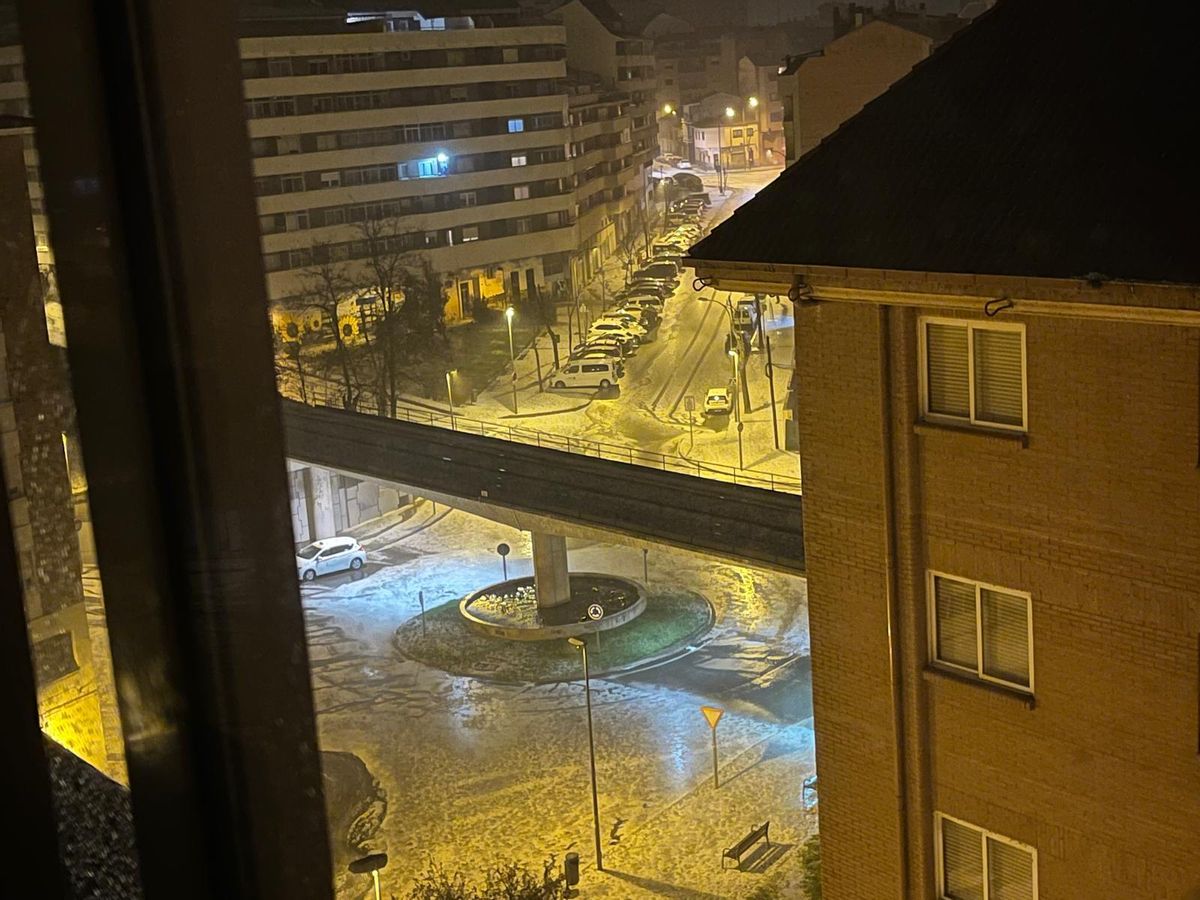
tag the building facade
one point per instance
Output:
(458, 132)
(999, 446)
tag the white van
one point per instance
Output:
(585, 373)
(746, 313)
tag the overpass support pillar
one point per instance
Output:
(318, 496)
(550, 575)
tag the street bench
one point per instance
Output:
(757, 833)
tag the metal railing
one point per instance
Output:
(317, 395)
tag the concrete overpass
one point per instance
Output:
(536, 489)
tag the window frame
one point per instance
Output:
(971, 325)
(984, 836)
(978, 672)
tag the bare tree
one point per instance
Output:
(327, 285)
(384, 272)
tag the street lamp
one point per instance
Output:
(512, 354)
(370, 865)
(729, 114)
(450, 396)
(737, 405)
(753, 101)
(668, 109)
(587, 691)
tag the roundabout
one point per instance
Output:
(596, 603)
(663, 623)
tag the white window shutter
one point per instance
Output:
(954, 611)
(947, 375)
(962, 861)
(1010, 872)
(1005, 625)
(999, 378)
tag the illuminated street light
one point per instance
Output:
(442, 157)
(729, 112)
(753, 101)
(587, 691)
(512, 355)
(668, 109)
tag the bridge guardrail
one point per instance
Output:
(316, 396)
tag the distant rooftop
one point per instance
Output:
(1044, 140)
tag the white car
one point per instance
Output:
(621, 330)
(684, 164)
(718, 402)
(596, 373)
(329, 555)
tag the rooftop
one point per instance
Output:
(1044, 140)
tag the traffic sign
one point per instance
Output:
(595, 612)
(713, 714)
(503, 549)
(689, 403)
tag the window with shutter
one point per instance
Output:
(976, 864)
(962, 861)
(981, 629)
(974, 372)
(957, 641)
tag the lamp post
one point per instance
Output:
(512, 354)
(752, 102)
(450, 396)
(587, 691)
(737, 405)
(721, 180)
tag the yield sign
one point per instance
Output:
(713, 714)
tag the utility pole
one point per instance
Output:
(587, 691)
(764, 340)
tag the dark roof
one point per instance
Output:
(1045, 139)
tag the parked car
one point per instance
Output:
(683, 164)
(718, 402)
(614, 329)
(688, 181)
(592, 354)
(625, 319)
(626, 346)
(586, 373)
(647, 286)
(701, 197)
(643, 315)
(664, 270)
(645, 306)
(745, 314)
(335, 554)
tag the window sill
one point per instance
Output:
(935, 673)
(1015, 440)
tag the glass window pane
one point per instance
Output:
(1010, 872)
(1005, 636)
(946, 369)
(998, 377)
(962, 861)
(954, 605)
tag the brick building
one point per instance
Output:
(998, 359)
(870, 52)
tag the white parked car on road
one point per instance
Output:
(329, 555)
(718, 402)
(620, 330)
(597, 373)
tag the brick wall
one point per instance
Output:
(1097, 517)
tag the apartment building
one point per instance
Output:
(998, 365)
(821, 89)
(456, 127)
(613, 130)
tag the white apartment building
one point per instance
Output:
(457, 126)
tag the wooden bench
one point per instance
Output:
(756, 834)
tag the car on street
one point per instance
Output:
(626, 346)
(336, 554)
(590, 352)
(689, 181)
(586, 373)
(643, 315)
(745, 314)
(662, 270)
(618, 330)
(640, 287)
(645, 306)
(717, 402)
(683, 164)
(627, 319)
